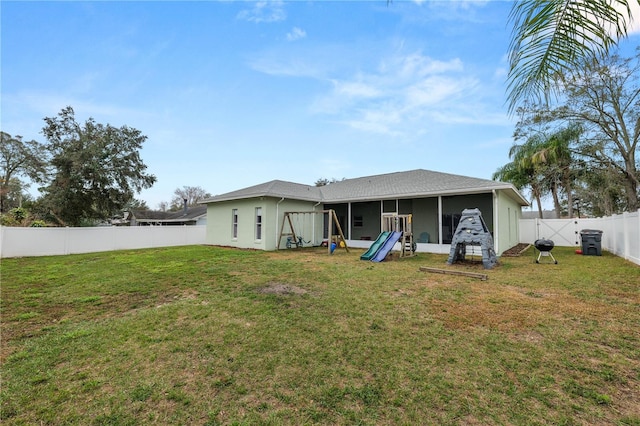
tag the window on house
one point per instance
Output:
(258, 223)
(358, 222)
(234, 223)
(389, 206)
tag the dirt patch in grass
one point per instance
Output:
(282, 289)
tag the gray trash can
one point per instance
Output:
(591, 242)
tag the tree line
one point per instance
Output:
(87, 173)
(582, 149)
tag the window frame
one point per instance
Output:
(234, 224)
(259, 222)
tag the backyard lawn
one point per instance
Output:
(208, 335)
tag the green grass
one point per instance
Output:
(189, 335)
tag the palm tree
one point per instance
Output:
(551, 36)
(555, 153)
(523, 172)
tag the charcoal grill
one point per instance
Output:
(544, 247)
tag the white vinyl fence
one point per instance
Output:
(620, 236)
(16, 242)
(620, 233)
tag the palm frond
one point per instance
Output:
(551, 36)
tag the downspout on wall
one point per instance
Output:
(313, 224)
(496, 233)
(277, 217)
(440, 234)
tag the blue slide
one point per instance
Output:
(375, 246)
(386, 247)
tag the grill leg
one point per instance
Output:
(546, 253)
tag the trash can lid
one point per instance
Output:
(590, 231)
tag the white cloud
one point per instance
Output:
(381, 120)
(436, 90)
(634, 25)
(633, 18)
(292, 68)
(354, 89)
(296, 34)
(418, 65)
(399, 95)
(264, 11)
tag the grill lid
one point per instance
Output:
(544, 244)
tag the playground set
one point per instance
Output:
(471, 236)
(395, 228)
(297, 223)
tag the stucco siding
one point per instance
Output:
(220, 224)
(509, 214)
(220, 221)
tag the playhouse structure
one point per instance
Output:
(472, 236)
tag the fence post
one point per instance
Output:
(66, 240)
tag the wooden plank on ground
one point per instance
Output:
(483, 277)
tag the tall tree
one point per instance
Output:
(97, 168)
(19, 158)
(192, 194)
(600, 191)
(550, 37)
(602, 97)
(555, 153)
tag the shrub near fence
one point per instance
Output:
(16, 242)
(620, 233)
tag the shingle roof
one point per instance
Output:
(274, 188)
(409, 184)
(192, 213)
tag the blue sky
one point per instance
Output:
(236, 93)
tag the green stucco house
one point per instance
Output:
(252, 217)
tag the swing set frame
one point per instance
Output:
(338, 239)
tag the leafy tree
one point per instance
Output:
(602, 97)
(325, 181)
(551, 37)
(19, 158)
(192, 194)
(15, 194)
(97, 168)
(600, 191)
(137, 204)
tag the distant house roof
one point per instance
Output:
(410, 184)
(192, 214)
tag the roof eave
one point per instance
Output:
(263, 195)
(461, 191)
